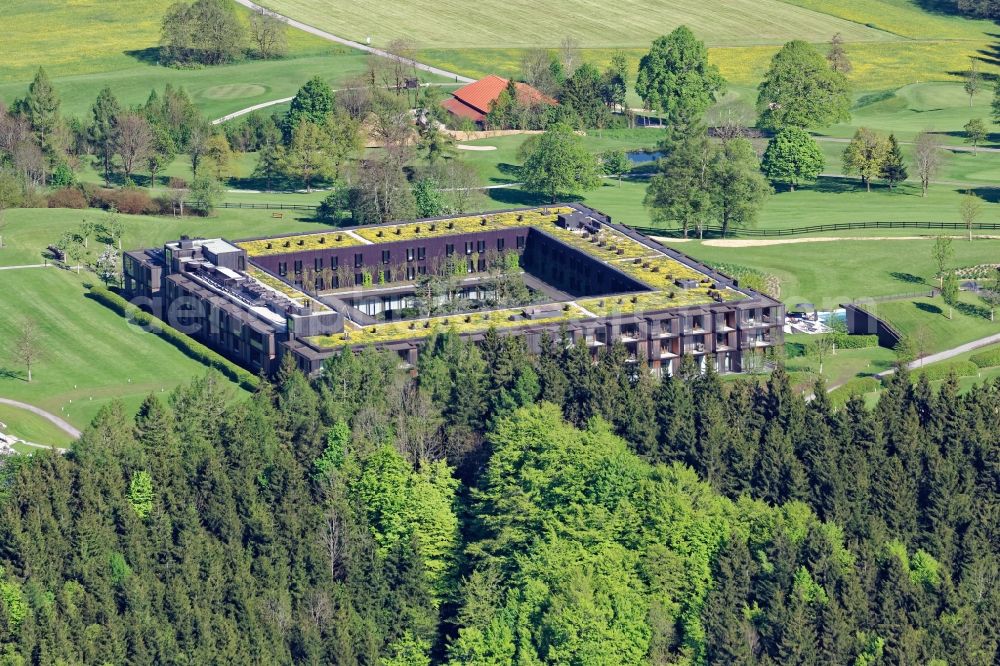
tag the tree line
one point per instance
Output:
(499, 507)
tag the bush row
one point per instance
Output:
(986, 359)
(938, 371)
(185, 343)
(128, 200)
(847, 341)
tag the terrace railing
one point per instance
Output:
(822, 228)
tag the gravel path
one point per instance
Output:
(55, 420)
(356, 45)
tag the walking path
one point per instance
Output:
(356, 45)
(948, 353)
(55, 420)
(10, 268)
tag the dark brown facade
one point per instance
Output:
(256, 330)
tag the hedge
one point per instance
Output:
(938, 371)
(986, 359)
(185, 343)
(847, 341)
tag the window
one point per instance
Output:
(409, 254)
(359, 279)
(468, 247)
(241, 263)
(334, 262)
(499, 245)
(298, 267)
(411, 273)
(449, 249)
(482, 264)
(481, 246)
(386, 255)
(359, 260)
(318, 263)
(422, 270)
(520, 242)
(470, 267)
(421, 253)
(282, 268)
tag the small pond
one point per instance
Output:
(644, 156)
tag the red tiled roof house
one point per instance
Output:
(474, 100)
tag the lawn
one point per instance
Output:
(91, 354)
(31, 428)
(828, 274)
(461, 24)
(929, 317)
(838, 368)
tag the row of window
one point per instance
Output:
(412, 254)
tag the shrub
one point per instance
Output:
(62, 176)
(751, 278)
(177, 183)
(986, 359)
(938, 371)
(847, 341)
(67, 197)
(185, 343)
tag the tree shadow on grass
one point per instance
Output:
(929, 308)
(909, 278)
(988, 194)
(973, 310)
(10, 373)
(835, 186)
(512, 196)
(148, 56)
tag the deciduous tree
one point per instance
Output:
(681, 191)
(133, 141)
(559, 164)
(615, 163)
(738, 189)
(837, 55)
(866, 156)
(975, 133)
(792, 157)
(268, 33)
(676, 78)
(801, 90)
(927, 157)
(28, 345)
(973, 80)
(970, 209)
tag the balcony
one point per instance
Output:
(695, 348)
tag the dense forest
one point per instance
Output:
(499, 508)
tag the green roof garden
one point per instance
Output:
(478, 322)
(333, 238)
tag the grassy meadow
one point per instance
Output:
(92, 355)
(593, 23)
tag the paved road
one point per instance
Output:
(356, 45)
(55, 420)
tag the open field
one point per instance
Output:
(92, 355)
(32, 428)
(930, 45)
(87, 36)
(594, 24)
